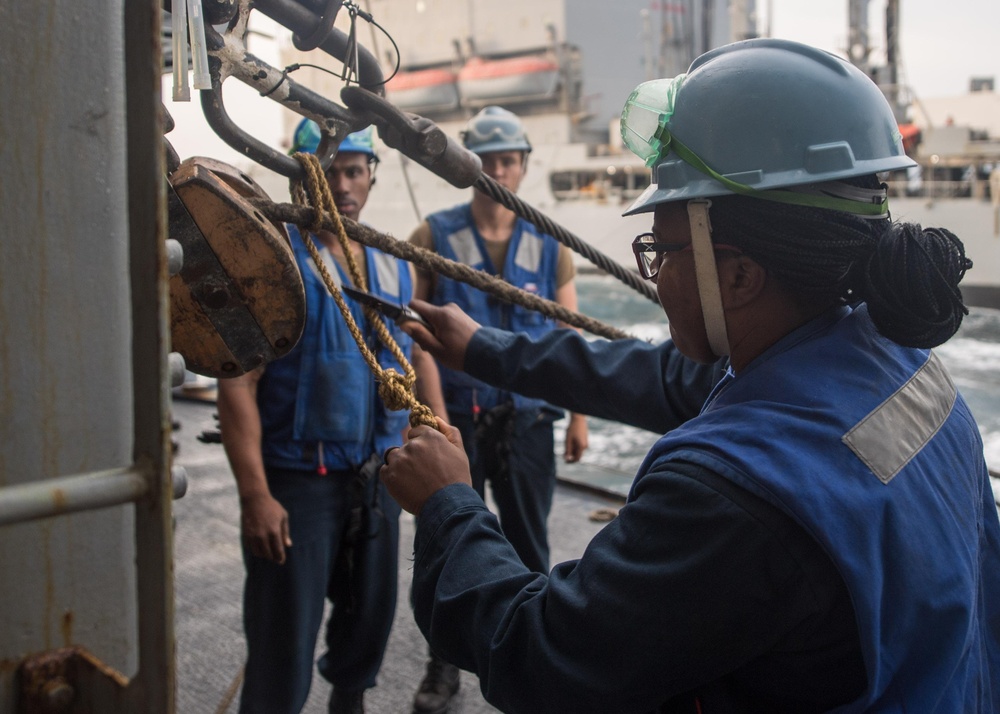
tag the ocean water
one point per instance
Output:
(972, 357)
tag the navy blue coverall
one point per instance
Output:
(561, 643)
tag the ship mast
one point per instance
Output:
(676, 37)
(892, 90)
(859, 51)
(689, 28)
(742, 20)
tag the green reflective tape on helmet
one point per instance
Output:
(859, 208)
(645, 116)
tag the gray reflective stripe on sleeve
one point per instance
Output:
(896, 430)
(463, 243)
(387, 273)
(331, 266)
(529, 253)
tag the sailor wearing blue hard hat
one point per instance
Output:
(816, 531)
(307, 137)
(305, 436)
(351, 174)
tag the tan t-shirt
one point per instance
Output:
(497, 249)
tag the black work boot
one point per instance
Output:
(439, 686)
(347, 702)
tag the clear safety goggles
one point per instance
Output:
(645, 131)
(645, 116)
(492, 128)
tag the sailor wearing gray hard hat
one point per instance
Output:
(814, 532)
(509, 438)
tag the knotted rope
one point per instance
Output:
(396, 390)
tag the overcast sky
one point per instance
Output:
(943, 43)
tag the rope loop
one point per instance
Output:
(396, 390)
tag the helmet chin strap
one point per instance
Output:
(707, 276)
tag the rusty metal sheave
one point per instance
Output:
(238, 301)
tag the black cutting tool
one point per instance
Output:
(395, 312)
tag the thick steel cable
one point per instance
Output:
(421, 140)
(510, 200)
(428, 260)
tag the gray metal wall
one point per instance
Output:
(66, 330)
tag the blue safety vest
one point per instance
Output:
(532, 258)
(319, 402)
(871, 449)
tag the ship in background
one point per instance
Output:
(567, 71)
(564, 68)
(956, 144)
(567, 68)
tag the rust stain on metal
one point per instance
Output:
(67, 627)
(59, 499)
(50, 588)
(239, 290)
(9, 665)
(91, 661)
(70, 676)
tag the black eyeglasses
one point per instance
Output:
(649, 253)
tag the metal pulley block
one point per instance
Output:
(238, 301)
(242, 183)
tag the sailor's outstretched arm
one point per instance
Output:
(608, 379)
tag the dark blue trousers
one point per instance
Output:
(519, 462)
(283, 604)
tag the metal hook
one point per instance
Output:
(228, 57)
(323, 26)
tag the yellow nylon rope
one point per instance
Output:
(396, 390)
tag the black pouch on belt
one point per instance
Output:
(364, 518)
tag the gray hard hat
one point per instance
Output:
(760, 115)
(495, 129)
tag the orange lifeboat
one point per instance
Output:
(911, 137)
(423, 90)
(528, 77)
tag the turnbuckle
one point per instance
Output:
(418, 138)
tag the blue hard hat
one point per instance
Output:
(495, 129)
(760, 118)
(360, 142)
(306, 137)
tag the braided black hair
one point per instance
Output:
(908, 275)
